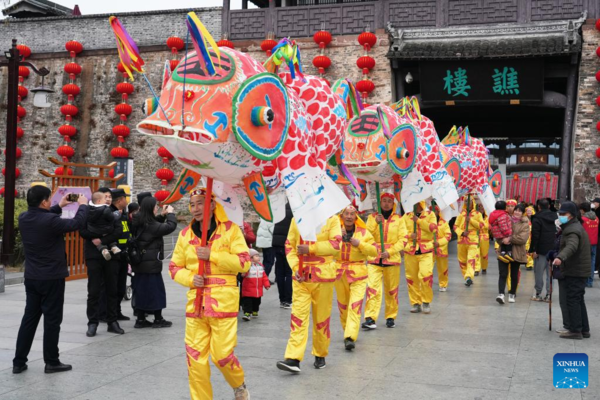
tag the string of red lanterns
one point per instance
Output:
(366, 63)
(22, 93)
(598, 99)
(321, 61)
(123, 110)
(69, 110)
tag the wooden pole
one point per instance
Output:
(206, 221)
(377, 191)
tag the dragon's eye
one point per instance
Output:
(262, 116)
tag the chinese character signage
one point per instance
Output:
(499, 80)
(532, 159)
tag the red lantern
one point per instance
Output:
(20, 132)
(367, 40)
(19, 152)
(61, 171)
(598, 76)
(111, 173)
(123, 109)
(173, 64)
(24, 50)
(165, 154)
(69, 110)
(22, 91)
(267, 45)
(365, 63)
(73, 47)
(67, 131)
(71, 89)
(175, 43)
(65, 152)
(125, 87)
(121, 68)
(119, 152)
(72, 68)
(225, 43)
(24, 71)
(531, 175)
(598, 126)
(17, 172)
(548, 176)
(598, 51)
(2, 192)
(321, 63)
(598, 152)
(598, 178)
(121, 130)
(598, 101)
(365, 86)
(165, 175)
(21, 112)
(598, 24)
(161, 195)
(322, 38)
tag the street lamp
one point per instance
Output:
(12, 62)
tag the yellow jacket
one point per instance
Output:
(220, 297)
(444, 235)
(425, 227)
(394, 233)
(484, 232)
(318, 265)
(352, 260)
(475, 224)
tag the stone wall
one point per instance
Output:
(44, 35)
(587, 138)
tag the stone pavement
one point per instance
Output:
(468, 348)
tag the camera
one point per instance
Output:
(72, 197)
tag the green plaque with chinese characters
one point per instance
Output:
(493, 81)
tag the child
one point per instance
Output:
(101, 221)
(501, 227)
(252, 286)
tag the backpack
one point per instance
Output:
(134, 253)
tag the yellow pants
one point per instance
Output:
(442, 270)
(484, 251)
(306, 295)
(518, 280)
(217, 337)
(391, 283)
(468, 259)
(350, 295)
(529, 261)
(419, 276)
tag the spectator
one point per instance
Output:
(252, 286)
(42, 231)
(574, 260)
(148, 285)
(501, 227)
(590, 225)
(102, 276)
(119, 208)
(543, 231)
(283, 272)
(132, 210)
(518, 240)
(101, 221)
(249, 234)
(264, 241)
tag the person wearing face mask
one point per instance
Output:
(386, 268)
(574, 260)
(421, 225)
(213, 298)
(518, 240)
(358, 247)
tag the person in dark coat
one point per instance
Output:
(283, 272)
(574, 259)
(42, 231)
(148, 286)
(543, 235)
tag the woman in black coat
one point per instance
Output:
(148, 287)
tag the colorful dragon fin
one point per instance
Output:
(187, 181)
(347, 92)
(337, 161)
(288, 52)
(416, 108)
(452, 138)
(166, 74)
(257, 193)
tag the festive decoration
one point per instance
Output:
(164, 154)
(598, 24)
(17, 172)
(268, 44)
(69, 110)
(515, 177)
(22, 93)
(598, 152)
(321, 61)
(598, 76)
(19, 152)
(62, 171)
(66, 152)
(176, 44)
(165, 175)
(124, 110)
(74, 48)
(598, 178)
(366, 63)
(2, 192)
(119, 152)
(24, 51)
(225, 42)
(161, 195)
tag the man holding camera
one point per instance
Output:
(42, 230)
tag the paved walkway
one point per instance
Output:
(468, 348)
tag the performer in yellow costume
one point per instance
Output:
(213, 297)
(440, 245)
(529, 212)
(420, 227)
(484, 240)
(358, 246)
(387, 267)
(314, 270)
(467, 227)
